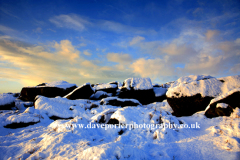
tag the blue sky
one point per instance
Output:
(103, 41)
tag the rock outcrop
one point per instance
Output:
(82, 92)
(217, 107)
(138, 88)
(114, 101)
(191, 94)
(107, 87)
(58, 88)
(7, 100)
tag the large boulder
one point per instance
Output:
(114, 101)
(107, 87)
(53, 89)
(99, 95)
(7, 100)
(62, 108)
(22, 120)
(138, 88)
(191, 94)
(82, 92)
(224, 104)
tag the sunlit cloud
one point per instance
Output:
(67, 50)
(119, 58)
(211, 33)
(152, 67)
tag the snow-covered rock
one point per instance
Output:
(138, 84)
(7, 100)
(99, 95)
(224, 104)
(82, 92)
(104, 116)
(22, 120)
(61, 107)
(105, 86)
(190, 94)
(21, 105)
(138, 88)
(110, 87)
(159, 106)
(53, 89)
(114, 101)
(129, 115)
(205, 87)
(189, 79)
(60, 84)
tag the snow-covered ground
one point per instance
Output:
(89, 130)
(216, 138)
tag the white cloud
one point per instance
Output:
(87, 53)
(119, 58)
(136, 40)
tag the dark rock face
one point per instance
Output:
(57, 118)
(29, 93)
(7, 106)
(143, 96)
(160, 98)
(83, 92)
(187, 106)
(112, 89)
(113, 121)
(119, 102)
(109, 90)
(232, 100)
(216, 112)
(19, 125)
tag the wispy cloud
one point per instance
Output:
(4, 10)
(7, 30)
(71, 21)
(136, 40)
(79, 23)
(38, 30)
